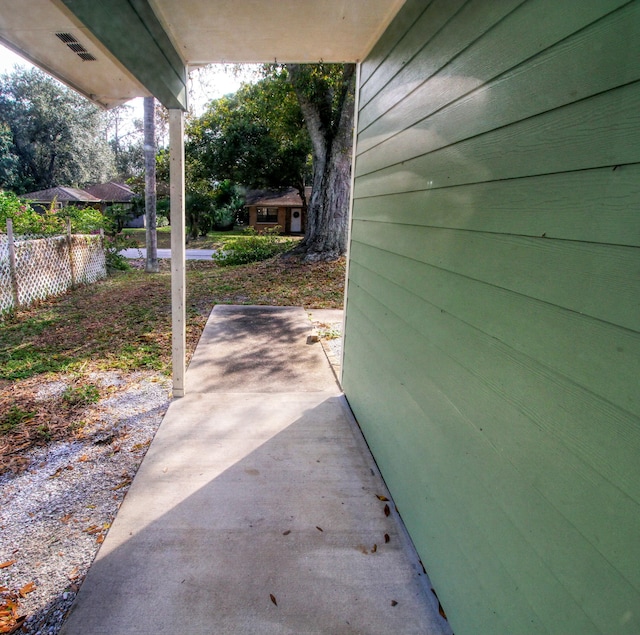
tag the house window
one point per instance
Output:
(267, 215)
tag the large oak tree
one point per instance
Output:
(293, 127)
(57, 136)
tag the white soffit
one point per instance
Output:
(212, 31)
(29, 28)
(202, 32)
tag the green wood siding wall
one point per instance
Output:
(492, 346)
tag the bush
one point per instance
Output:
(252, 247)
(224, 217)
(25, 219)
(84, 220)
(113, 245)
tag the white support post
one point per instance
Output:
(178, 298)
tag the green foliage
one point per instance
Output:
(256, 137)
(25, 219)
(9, 164)
(81, 395)
(12, 418)
(113, 245)
(228, 202)
(224, 216)
(253, 247)
(57, 136)
(84, 220)
(117, 216)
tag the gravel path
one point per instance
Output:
(54, 514)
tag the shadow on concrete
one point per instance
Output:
(256, 506)
(258, 349)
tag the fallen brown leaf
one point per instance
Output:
(375, 548)
(27, 588)
(286, 533)
(386, 538)
(273, 598)
(382, 498)
(394, 603)
(387, 511)
(124, 483)
(319, 528)
(8, 563)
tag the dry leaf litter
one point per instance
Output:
(58, 501)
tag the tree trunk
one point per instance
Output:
(151, 265)
(328, 208)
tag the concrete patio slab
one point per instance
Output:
(256, 511)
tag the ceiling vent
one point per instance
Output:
(76, 47)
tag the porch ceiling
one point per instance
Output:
(144, 47)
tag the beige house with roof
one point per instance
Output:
(284, 209)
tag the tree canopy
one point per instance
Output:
(255, 137)
(292, 128)
(57, 136)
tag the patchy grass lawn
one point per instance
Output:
(124, 323)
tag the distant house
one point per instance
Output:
(113, 193)
(283, 208)
(61, 197)
(101, 196)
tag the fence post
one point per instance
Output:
(70, 244)
(13, 270)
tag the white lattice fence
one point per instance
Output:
(88, 258)
(35, 268)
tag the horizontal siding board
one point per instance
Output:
(457, 35)
(584, 54)
(460, 459)
(411, 11)
(596, 280)
(603, 130)
(445, 495)
(456, 500)
(509, 43)
(582, 350)
(492, 339)
(599, 206)
(437, 14)
(547, 420)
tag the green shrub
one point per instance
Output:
(252, 247)
(81, 395)
(113, 245)
(84, 220)
(13, 418)
(25, 219)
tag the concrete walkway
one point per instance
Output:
(256, 509)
